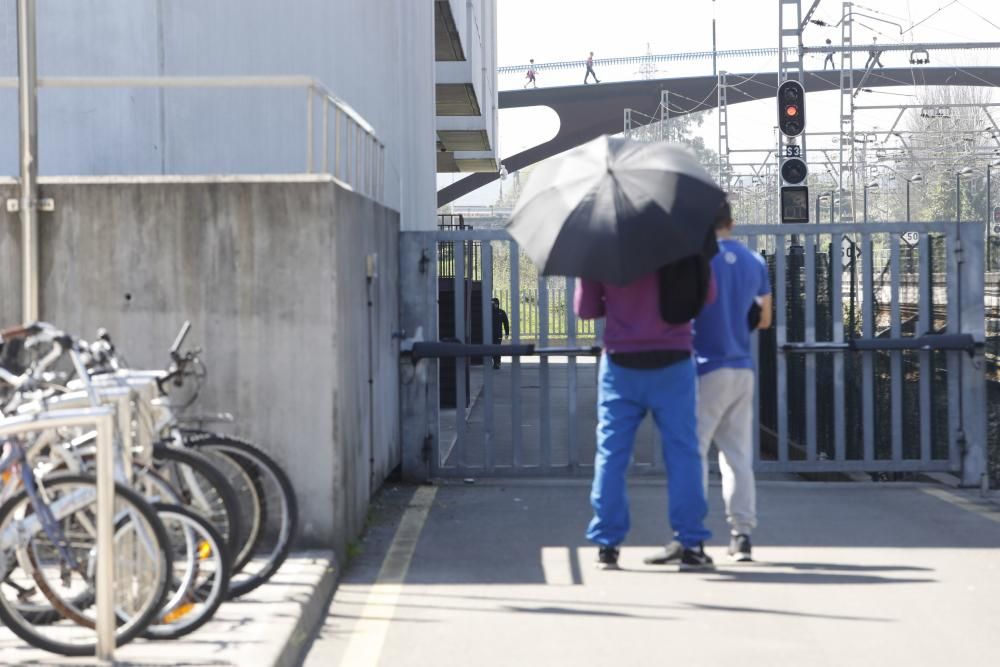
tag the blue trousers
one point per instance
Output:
(624, 396)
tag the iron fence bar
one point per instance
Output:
(310, 139)
(572, 448)
(867, 365)
(545, 425)
(755, 352)
(515, 364)
(853, 465)
(837, 315)
(337, 133)
(952, 247)
(896, 356)
(646, 470)
(358, 176)
(781, 335)
(348, 140)
(926, 325)
(764, 230)
(460, 448)
(326, 136)
(810, 336)
(486, 251)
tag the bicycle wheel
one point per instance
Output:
(279, 509)
(201, 573)
(200, 486)
(63, 568)
(248, 494)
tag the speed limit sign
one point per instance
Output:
(995, 229)
(911, 238)
(848, 249)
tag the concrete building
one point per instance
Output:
(379, 57)
(466, 85)
(194, 202)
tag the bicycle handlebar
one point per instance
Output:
(176, 347)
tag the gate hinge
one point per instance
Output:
(45, 204)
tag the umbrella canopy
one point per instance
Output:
(614, 210)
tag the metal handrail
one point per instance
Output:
(363, 165)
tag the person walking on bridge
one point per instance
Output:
(874, 55)
(530, 75)
(590, 70)
(726, 378)
(829, 55)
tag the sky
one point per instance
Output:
(555, 30)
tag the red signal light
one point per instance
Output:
(791, 111)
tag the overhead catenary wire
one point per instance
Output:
(970, 9)
(931, 15)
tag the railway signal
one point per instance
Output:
(791, 108)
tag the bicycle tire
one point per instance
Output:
(125, 632)
(213, 595)
(259, 465)
(229, 522)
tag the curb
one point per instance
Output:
(293, 651)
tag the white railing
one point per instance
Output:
(358, 156)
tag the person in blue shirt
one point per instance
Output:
(726, 376)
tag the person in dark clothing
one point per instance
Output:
(501, 328)
(590, 70)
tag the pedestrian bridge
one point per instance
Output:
(586, 112)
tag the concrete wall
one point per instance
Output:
(377, 55)
(273, 275)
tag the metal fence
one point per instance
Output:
(819, 409)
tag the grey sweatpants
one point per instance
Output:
(725, 416)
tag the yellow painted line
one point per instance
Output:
(990, 512)
(368, 635)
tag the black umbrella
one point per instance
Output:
(614, 210)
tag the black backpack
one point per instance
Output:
(684, 284)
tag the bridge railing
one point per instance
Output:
(338, 140)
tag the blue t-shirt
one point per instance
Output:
(721, 332)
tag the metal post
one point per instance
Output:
(715, 69)
(326, 135)
(27, 80)
(989, 218)
(908, 219)
(309, 130)
(105, 612)
(958, 198)
(337, 136)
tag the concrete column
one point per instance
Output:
(418, 394)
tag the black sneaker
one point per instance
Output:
(696, 559)
(607, 558)
(670, 553)
(739, 548)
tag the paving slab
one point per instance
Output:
(267, 627)
(846, 574)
